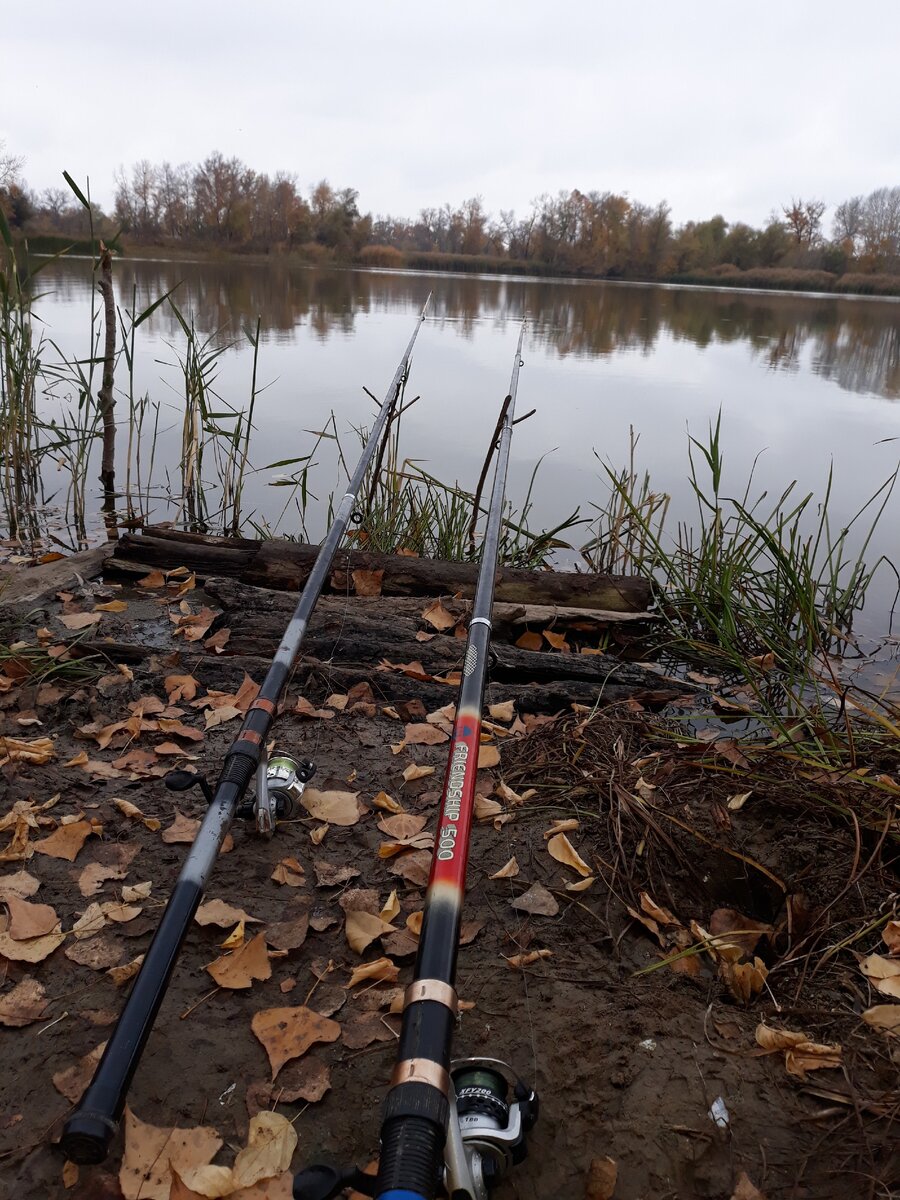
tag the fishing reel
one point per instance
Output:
(491, 1112)
(280, 782)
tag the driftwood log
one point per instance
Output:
(285, 565)
(355, 640)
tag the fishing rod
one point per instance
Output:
(452, 1125)
(88, 1132)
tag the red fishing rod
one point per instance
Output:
(90, 1129)
(453, 1127)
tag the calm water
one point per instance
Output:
(806, 379)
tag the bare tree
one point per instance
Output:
(10, 166)
(848, 221)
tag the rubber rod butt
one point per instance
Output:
(86, 1138)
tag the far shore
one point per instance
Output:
(766, 281)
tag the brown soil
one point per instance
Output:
(627, 1065)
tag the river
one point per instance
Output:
(801, 380)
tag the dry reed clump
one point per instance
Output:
(869, 285)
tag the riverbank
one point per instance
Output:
(708, 928)
(775, 279)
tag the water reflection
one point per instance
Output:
(854, 343)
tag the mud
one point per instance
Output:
(627, 1066)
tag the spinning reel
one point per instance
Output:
(280, 782)
(491, 1112)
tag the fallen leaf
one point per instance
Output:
(387, 804)
(289, 872)
(537, 901)
(414, 923)
(72, 1081)
(391, 907)
(656, 911)
(33, 950)
(19, 884)
(94, 875)
(566, 826)
(362, 928)
(744, 980)
(526, 960)
(217, 912)
(113, 606)
(218, 641)
(503, 712)
(736, 802)
(182, 830)
(27, 920)
(303, 708)
(601, 1179)
(367, 583)
(564, 852)
(437, 616)
(337, 808)
(288, 1033)
(423, 734)
(880, 1016)
(402, 825)
(98, 953)
(289, 934)
(557, 641)
(488, 756)
(91, 921)
(744, 1189)
(800, 1054)
(69, 1174)
(484, 809)
(530, 641)
(151, 1153)
(382, 970)
(239, 970)
(890, 935)
(138, 891)
(270, 1146)
(180, 687)
(26, 1003)
(134, 813)
(581, 885)
(80, 620)
(317, 834)
(414, 867)
(509, 871)
(337, 701)
(303, 1079)
(155, 579)
(120, 975)
(414, 771)
(66, 841)
(121, 913)
(884, 973)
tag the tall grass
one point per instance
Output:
(20, 370)
(763, 591)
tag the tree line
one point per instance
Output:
(221, 202)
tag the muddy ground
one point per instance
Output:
(627, 1065)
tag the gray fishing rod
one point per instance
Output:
(89, 1131)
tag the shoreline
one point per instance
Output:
(481, 268)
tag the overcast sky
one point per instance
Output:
(714, 106)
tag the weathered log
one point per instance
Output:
(363, 636)
(286, 566)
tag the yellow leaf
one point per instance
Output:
(111, 606)
(387, 803)
(239, 970)
(414, 771)
(151, 1153)
(564, 852)
(382, 970)
(235, 939)
(337, 808)
(288, 1033)
(509, 871)
(363, 928)
(438, 617)
(391, 907)
(270, 1147)
(488, 756)
(884, 973)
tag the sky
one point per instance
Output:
(714, 107)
